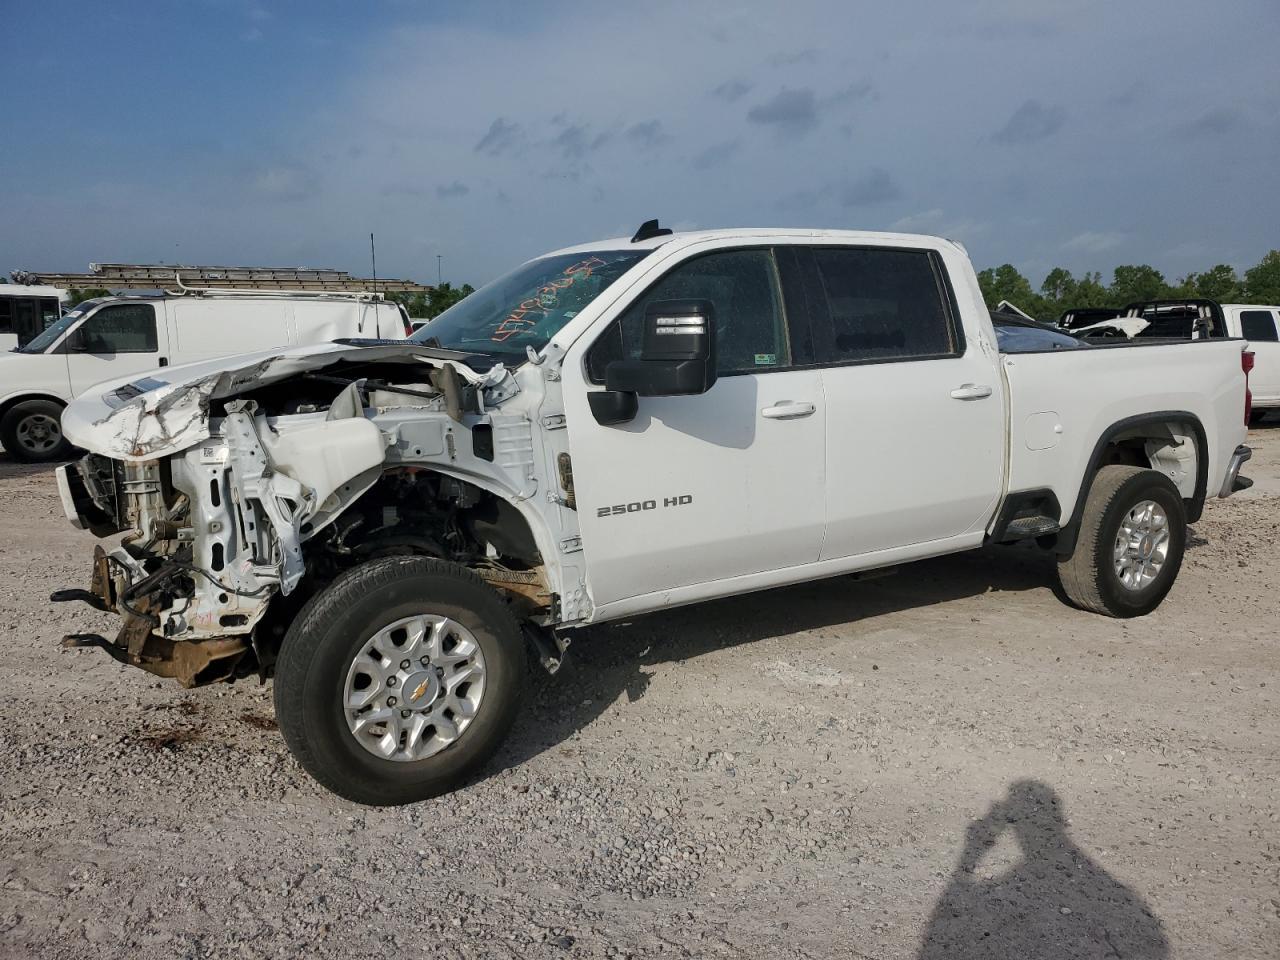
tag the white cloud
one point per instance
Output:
(1094, 242)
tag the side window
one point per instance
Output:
(1258, 325)
(882, 304)
(120, 328)
(751, 327)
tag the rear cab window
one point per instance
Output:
(880, 304)
(1258, 326)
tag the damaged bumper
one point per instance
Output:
(191, 663)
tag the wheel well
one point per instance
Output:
(1171, 442)
(12, 402)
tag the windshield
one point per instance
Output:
(50, 334)
(528, 306)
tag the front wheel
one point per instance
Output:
(1130, 546)
(399, 680)
(31, 431)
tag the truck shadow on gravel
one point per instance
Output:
(1054, 902)
(610, 660)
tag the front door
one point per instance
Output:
(915, 423)
(701, 488)
(115, 341)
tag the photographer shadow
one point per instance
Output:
(1054, 902)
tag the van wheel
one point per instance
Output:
(400, 679)
(31, 431)
(1129, 551)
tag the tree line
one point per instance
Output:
(424, 306)
(1061, 291)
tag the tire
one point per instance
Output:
(31, 431)
(318, 661)
(1089, 576)
(1256, 417)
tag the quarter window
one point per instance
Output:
(742, 285)
(881, 305)
(1258, 325)
(119, 328)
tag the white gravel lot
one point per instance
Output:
(944, 762)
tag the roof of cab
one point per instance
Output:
(752, 233)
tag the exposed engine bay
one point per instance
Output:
(295, 476)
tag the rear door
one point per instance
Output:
(915, 424)
(1258, 325)
(117, 340)
(702, 488)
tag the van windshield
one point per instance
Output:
(50, 334)
(528, 306)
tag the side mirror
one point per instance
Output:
(677, 352)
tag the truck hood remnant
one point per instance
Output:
(158, 414)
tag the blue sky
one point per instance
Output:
(1036, 132)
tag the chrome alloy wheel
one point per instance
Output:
(39, 433)
(414, 687)
(1142, 545)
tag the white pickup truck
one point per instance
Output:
(388, 528)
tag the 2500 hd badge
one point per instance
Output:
(636, 506)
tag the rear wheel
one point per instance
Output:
(399, 680)
(31, 431)
(1129, 550)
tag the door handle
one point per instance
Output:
(788, 410)
(164, 361)
(971, 391)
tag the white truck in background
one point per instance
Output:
(113, 337)
(608, 430)
(1199, 319)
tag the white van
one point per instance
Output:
(113, 337)
(1260, 325)
(27, 310)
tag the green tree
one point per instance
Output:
(1059, 287)
(1006, 283)
(1091, 292)
(80, 296)
(1217, 283)
(1262, 282)
(1142, 282)
(443, 296)
(434, 302)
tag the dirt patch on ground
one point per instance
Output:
(945, 762)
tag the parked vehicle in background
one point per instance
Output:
(26, 310)
(1078, 317)
(112, 337)
(608, 430)
(1260, 325)
(1198, 319)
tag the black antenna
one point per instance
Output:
(650, 229)
(373, 255)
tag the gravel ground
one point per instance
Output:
(944, 762)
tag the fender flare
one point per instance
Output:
(1066, 542)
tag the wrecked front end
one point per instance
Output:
(240, 494)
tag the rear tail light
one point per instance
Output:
(1246, 364)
